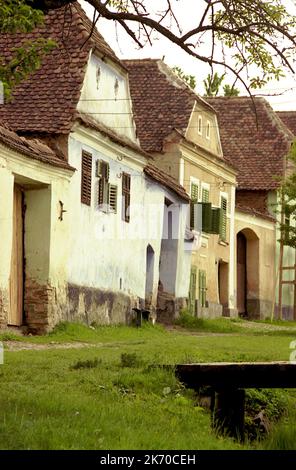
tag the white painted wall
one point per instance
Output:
(105, 97)
(107, 252)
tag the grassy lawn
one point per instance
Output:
(110, 395)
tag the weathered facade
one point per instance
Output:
(256, 145)
(180, 130)
(90, 222)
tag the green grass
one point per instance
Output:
(112, 394)
(234, 325)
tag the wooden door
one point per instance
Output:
(241, 273)
(17, 263)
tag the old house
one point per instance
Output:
(256, 144)
(180, 130)
(91, 228)
(29, 170)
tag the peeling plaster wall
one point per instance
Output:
(43, 187)
(261, 248)
(105, 96)
(288, 260)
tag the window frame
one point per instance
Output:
(205, 187)
(126, 197)
(208, 130)
(192, 221)
(199, 124)
(222, 235)
(86, 178)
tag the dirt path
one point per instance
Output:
(27, 346)
(20, 346)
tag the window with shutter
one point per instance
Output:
(194, 200)
(103, 194)
(192, 290)
(113, 197)
(202, 285)
(206, 217)
(103, 171)
(86, 175)
(205, 195)
(223, 225)
(126, 196)
(216, 220)
(194, 191)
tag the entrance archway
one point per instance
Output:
(149, 274)
(247, 243)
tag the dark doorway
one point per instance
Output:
(149, 274)
(223, 285)
(241, 274)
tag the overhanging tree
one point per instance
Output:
(17, 16)
(258, 34)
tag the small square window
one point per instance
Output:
(208, 130)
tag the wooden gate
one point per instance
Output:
(17, 262)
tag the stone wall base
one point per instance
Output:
(46, 306)
(38, 302)
(4, 306)
(258, 309)
(97, 306)
(168, 307)
(213, 310)
(230, 312)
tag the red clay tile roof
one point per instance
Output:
(257, 153)
(161, 101)
(157, 175)
(47, 100)
(289, 119)
(30, 148)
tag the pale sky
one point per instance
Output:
(126, 48)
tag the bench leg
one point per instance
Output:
(228, 412)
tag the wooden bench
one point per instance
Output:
(228, 382)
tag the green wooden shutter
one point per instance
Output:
(206, 217)
(192, 290)
(202, 284)
(205, 195)
(194, 199)
(194, 191)
(216, 220)
(223, 225)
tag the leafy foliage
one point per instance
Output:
(230, 90)
(212, 84)
(17, 16)
(253, 39)
(288, 196)
(189, 79)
